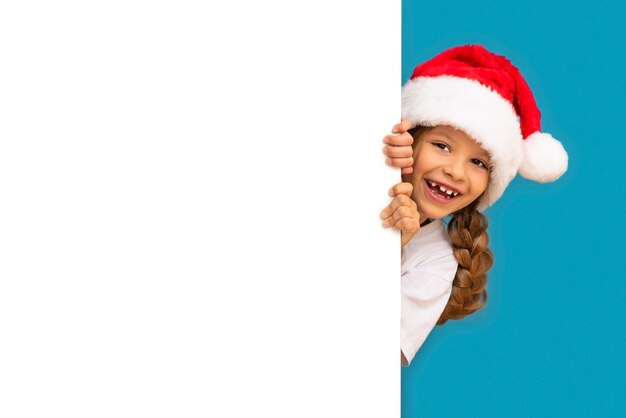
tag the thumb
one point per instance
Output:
(401, 127)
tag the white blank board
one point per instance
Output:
(189, 199)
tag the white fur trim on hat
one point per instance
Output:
(478, 111)
(545, 159)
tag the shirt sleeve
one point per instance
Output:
(424, 296)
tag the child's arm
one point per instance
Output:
(398, 149)
(402, 212)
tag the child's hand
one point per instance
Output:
(398, 149)
(402, 212)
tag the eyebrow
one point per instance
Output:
(485, 154)
(443, 134)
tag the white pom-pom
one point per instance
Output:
(545, 159)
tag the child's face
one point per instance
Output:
(449, 158)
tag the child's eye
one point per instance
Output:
(441, 145)
(480, 163)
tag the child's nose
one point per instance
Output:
(455, 170)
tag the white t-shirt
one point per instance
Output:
(428, 269)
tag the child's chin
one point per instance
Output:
(434, 212)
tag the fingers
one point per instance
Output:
(400, 201)
(403, 139)
(403, 126)
(398, 152)
(400, 162)
(402, 213)
(404, 218)
(401, 188)
(407, 224)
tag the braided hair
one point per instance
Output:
(468, 233)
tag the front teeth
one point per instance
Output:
(443, 189)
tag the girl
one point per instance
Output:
(474, 125)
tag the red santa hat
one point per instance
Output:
(485, 96)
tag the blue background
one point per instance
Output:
(551, 341)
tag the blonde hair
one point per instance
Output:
(468, 234)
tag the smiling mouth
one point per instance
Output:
(440, 191)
